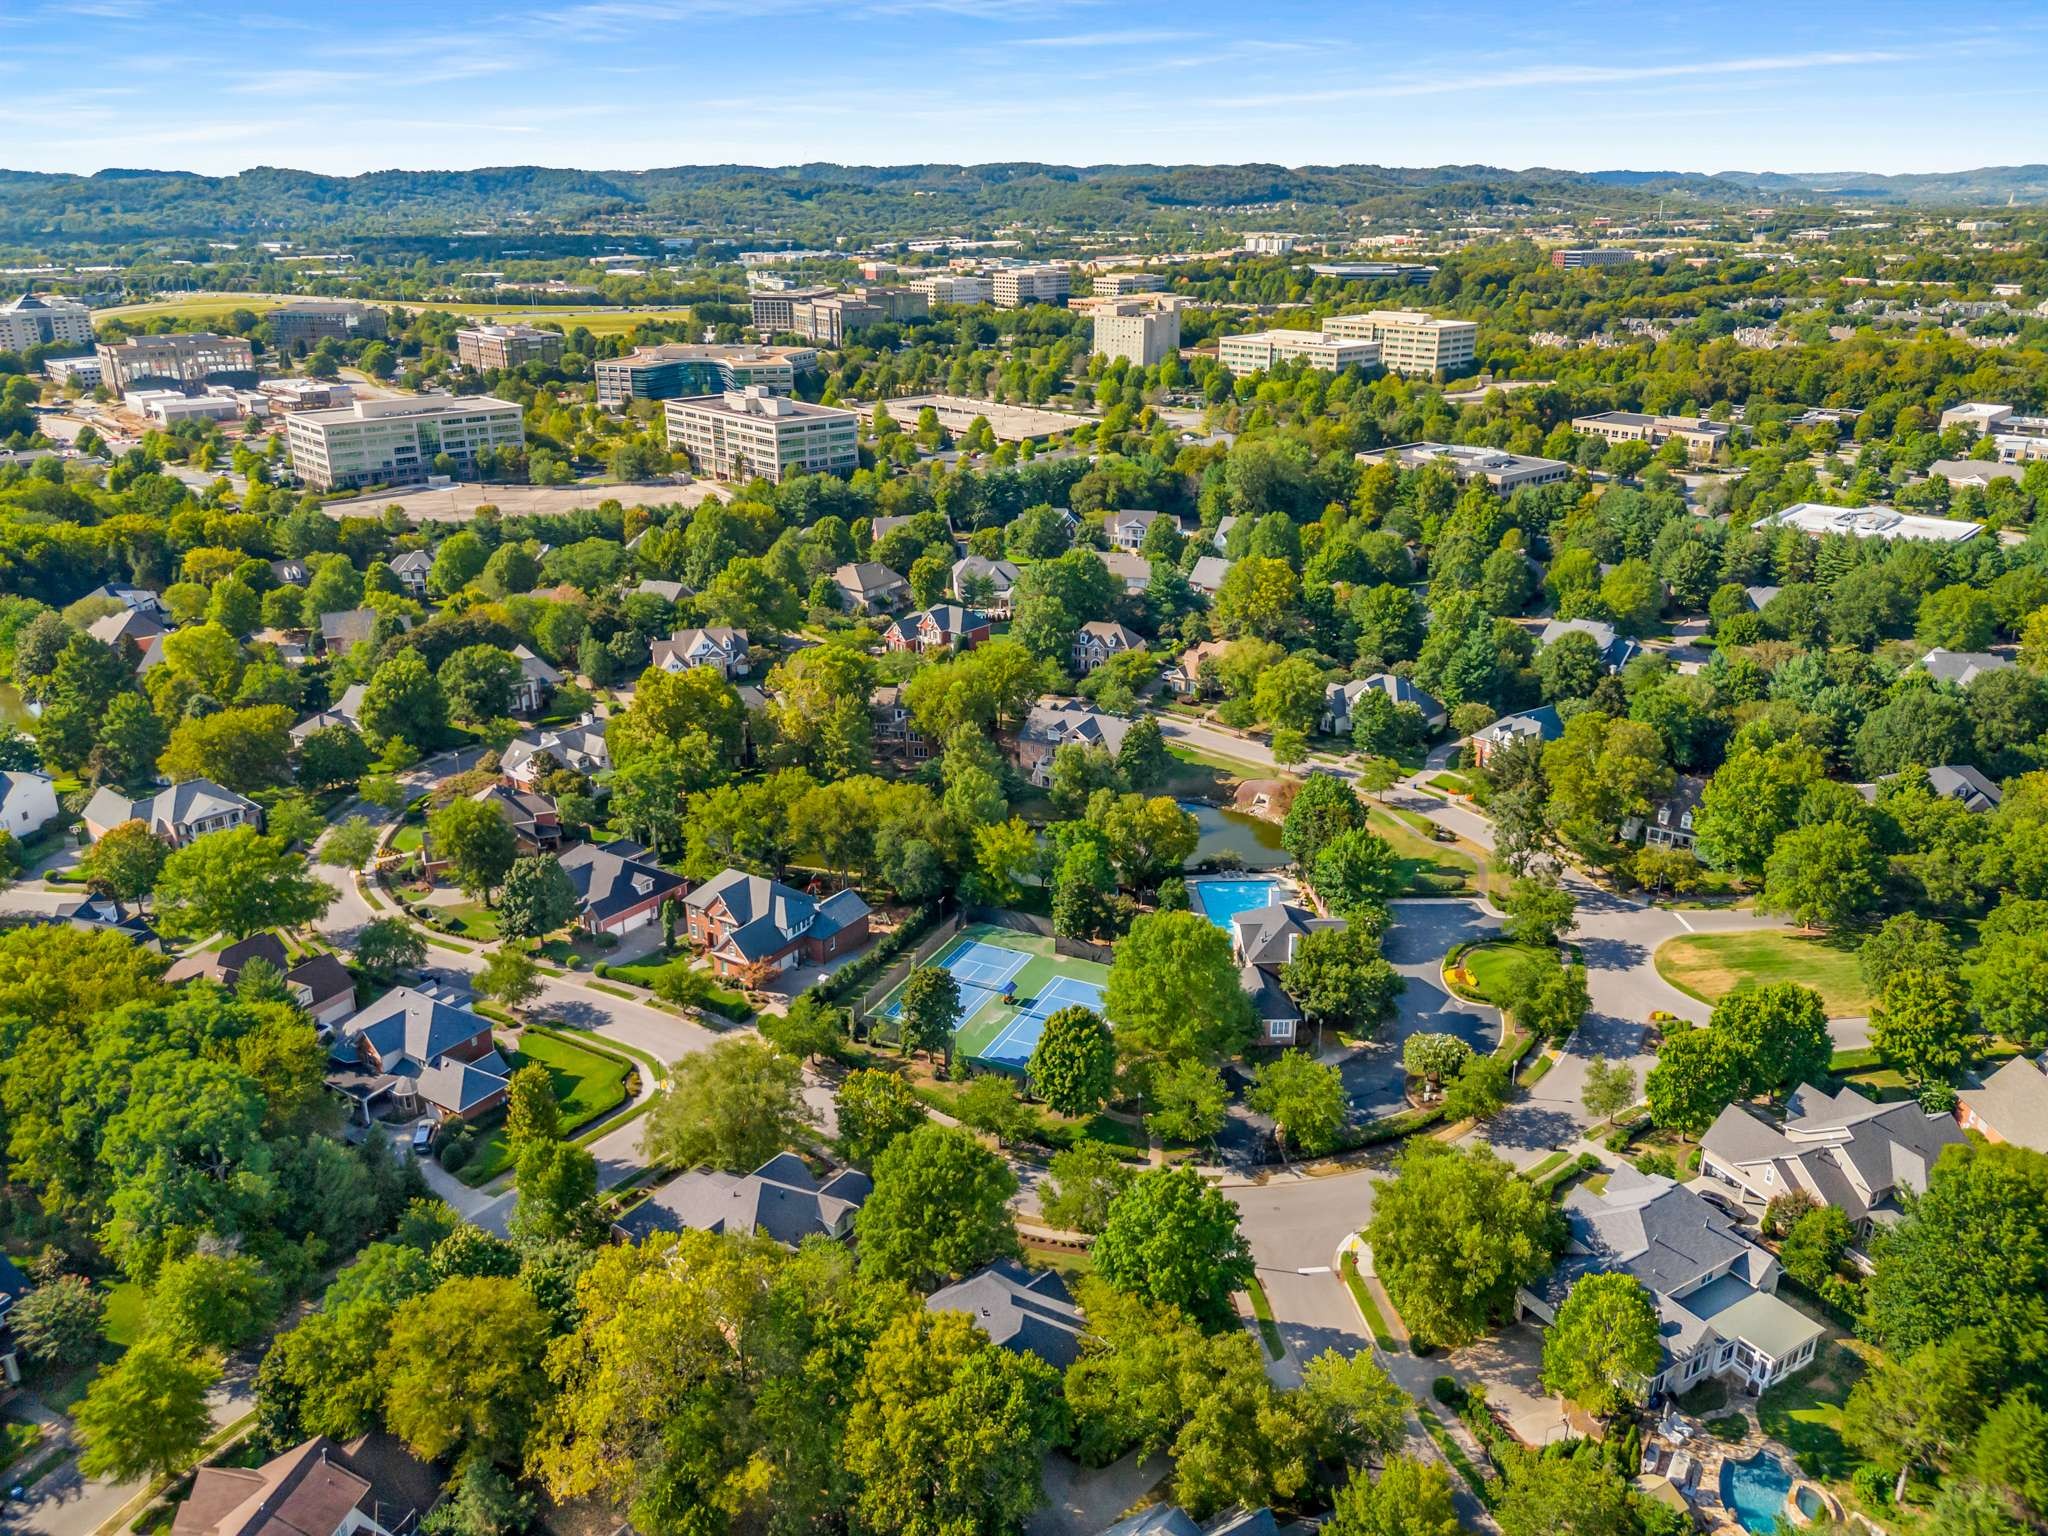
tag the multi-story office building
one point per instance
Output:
(1372, 271)
(82, 371)
(773, 308)
(744, 433)
(1700, 436)
(396, 441)
(37, 319)
(955, 288)
(1041, 284)
(1590, 256)
(1411, 342)
(1145, 330)
(1504, 471)
(1262, 349)
(177, 361)
(829, 319)
(1117, 285)
(506, 346)
(905, 303)
(675, 370)
(306, 322)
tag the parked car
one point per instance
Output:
(423, 1138)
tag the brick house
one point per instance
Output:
(747, 923)
(946, 626)
(619, 887)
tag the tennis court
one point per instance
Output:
(1010, 984)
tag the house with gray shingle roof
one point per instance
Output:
(1966, 786)
(411, 569)
(1340, 701)
(1026, 1311)
(177, 814)
(1000, 576)
(1263, 940)
(747, 923)
(781, 1199)
(868, 586)
(2010, 1105)
(414, 1052)
(619, 887)
(1960, 667)
(1616, 649)
(1054, 723)
(1100, 639)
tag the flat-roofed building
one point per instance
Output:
(1117, 285)
(187, 360)
(506, 346)
(1262, 349)
(305, 322)
(773, 308)
(1372, 271)
(1042, 283)
(956, 288)
(397, 441)
(744, 433)
(1815, 518)
(1410, 340)
(956, 413)
(1143, 330)
(678, 370)
(895, 302)
(1700, 436)
(82, 371)
(38, 319)
(1572, 257)
(831, 318)
(1502, 470)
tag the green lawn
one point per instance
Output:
(587, 1084)
(1488, 965)
(1709, 966)
(1367, 1307)
(121, 1322)
(471, 920)
(1806, 1412)
(720, 1000)
(1262, 1309)
(409, 838)
(1428, 867)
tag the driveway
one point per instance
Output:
(1509, 1364)
(1416, 943)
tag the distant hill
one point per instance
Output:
(820, 201)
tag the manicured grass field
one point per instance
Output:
(1490, 963)
(1806, 1412)
(1429, 868)
(121, 1321)
(587, 1084)
(474, 920)
(1709, 966)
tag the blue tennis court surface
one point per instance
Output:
(1013, 1047)
(984, 972)
(1222, 900)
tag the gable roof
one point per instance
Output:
(311, 1490)
(1845, 1150)
(1960, 667)
(1113, 636)
(532, 666)
(179, 805)
(1615, 648)
(608, 879)
(780, 1199)
(1001, 574)
(768, 916)
(868, 578)
(1024, 1310)
(1965, 785)
(1543, 724)
(412, 1025)
(2013, 1102)
(1267, 935)
(1055, 722)
(949, 619)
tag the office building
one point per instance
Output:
(1142, 330)
(2019, 439)
(1040, 284)
(895, 303)
(1411, 342)
(1590, 256)
(1372, 271)
(1817, 519)
(1700, 436)
(1118, 285)
(773, 307)
(955, 288)
(506, 346)
(307, 322)
(1505, 472)
(39, 319)
(397, 441)
(744, 433)
(82, 371)
(830, 318)
(1262, 349)
(168, 407)
(186, 361)
(677, 370)
(1269, 245)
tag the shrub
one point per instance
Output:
(1872, 1486)
(1658, 1164)
(1449, 1391)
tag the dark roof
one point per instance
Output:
(779, 1199)
(1965, 785)
(609, 880)
(323, 976)
(410, 1024)
(226, 966)
(311, 1490)
(768, 916)
(1024, 1310)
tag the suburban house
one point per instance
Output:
(2010, 1105)
(747, 923)
(135, 624)
(1616, 649)
(1026, 1311)
(1845, 1151)
(1054, 723)
(889, 719)
(1262, 941)
(1533, 725)
(141, 599)
(369, 1486)
(619, 887)
(1184, 673)
(101, 914)
(1960, 667)
(867, 586)
(1714, 1290)
(411, 569)
(320, 984)
(535, 823)
(720, 648)
(1134, 571)
(536, 681)
(28, 803)
(352, 626)
(780, 1199)
(654, 586)
(1100, 639)
(414, 1052)
(1126, 529)
(177, 814)
(1340, 702)
(1965, 785)
(346, 710)
(1669, 824)
(944, 627)
(1001, 579)
(579, 748)
(1206, 575)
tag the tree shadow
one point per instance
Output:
(1606, 954)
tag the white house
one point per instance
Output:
(28, 803)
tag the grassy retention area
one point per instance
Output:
(1709, 966)
(587, 1084)
(1487, 965)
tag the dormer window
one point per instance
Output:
(643, 883)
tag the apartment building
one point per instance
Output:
(1410, 340)
(956, 288)
(307, 322)
(743, 433)
(38, 319)
(679, 370)
(1700, 436)
(1144, 330)
(773, 308)
(396, 441)
(1262, 349)
(183, 361)
(1118, 285)
(1505, 472)
(1044, 283)
(1573, 257)
(506, 346)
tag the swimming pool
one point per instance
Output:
(1756, 1490)
(1221, 900)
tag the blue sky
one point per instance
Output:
(357, 85)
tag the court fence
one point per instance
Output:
(1031, 922)
(866, 1006)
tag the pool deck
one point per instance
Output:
(1703, 1493)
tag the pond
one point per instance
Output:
(1756, 1490)
(1235, 837)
